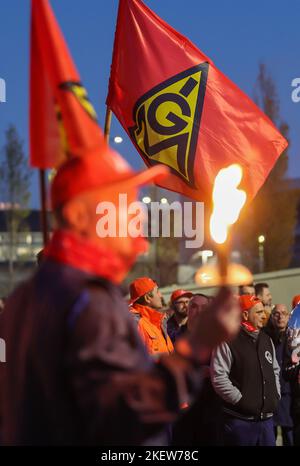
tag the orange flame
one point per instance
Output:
(227, 201)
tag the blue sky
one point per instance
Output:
(235, 34)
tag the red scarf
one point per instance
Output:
(68, 248)
(249, 327)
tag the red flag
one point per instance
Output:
(180, 110)
(62, 119)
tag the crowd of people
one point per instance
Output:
(253, 389)
(84, 368)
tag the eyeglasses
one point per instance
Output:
(280, 314)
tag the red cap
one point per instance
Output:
(296, 300)
(95, 169)
(140, 287)
(248, 301)
(179, 293)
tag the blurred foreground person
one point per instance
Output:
(2, 304)
(276, 329)
(201, 425)
(245, 374)
(77, 372)
(146, 308)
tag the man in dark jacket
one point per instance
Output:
(276, 329)
(77, 371)
(245, 374)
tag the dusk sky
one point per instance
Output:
(235, 34)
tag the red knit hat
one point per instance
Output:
(140, 287)
(95, 169)
(248, 301)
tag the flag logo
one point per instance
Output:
(80, 92)
(167, 121)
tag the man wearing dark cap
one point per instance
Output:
(245, 374)
(77, 372)
(177, 323)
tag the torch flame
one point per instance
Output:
(227, 201)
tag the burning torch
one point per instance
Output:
(228, 201)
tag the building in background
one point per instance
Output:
(293, 185)
(187, 261)
(28, 242)
(168, 260)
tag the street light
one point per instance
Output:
(261, 255)
(118, 139)
(146, 200)
(28, 239)
(205, 255)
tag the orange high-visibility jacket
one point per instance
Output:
(152, 329)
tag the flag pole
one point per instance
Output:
(107, 123)
(43, 197)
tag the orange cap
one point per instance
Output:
(296, 300)
(95, 169)
(140, 287)
(248, 301)
(179, 293)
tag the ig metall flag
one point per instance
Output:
(181, 111)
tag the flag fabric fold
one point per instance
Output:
(62, 119)
(181, 111)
